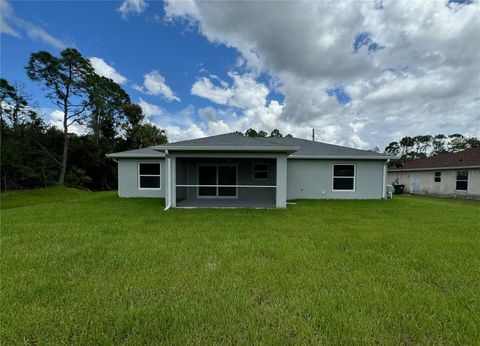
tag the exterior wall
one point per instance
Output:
(128, 179)
(422, 182)
(304, 179)
(313, 179)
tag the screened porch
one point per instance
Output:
(225, 182)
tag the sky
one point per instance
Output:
(362, 73)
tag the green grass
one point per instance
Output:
(15, 199)
(88, 268)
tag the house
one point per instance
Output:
(453, 174)
(232, 170)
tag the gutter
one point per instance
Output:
(340, 157)
(434, 169)
(169, 182)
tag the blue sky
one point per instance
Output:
(360, 73)
(133, 46)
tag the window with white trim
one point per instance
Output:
(438, 177)
(462, 181)
(260, 171)
(343, 177)
(149, 174)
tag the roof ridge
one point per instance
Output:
(329, 144)
(194, 139)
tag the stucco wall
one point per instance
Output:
(306, 179)
(312, 179)
(128, 179)
(427, 185)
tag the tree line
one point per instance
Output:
(35, 153)
(418, 147)
(254, 133)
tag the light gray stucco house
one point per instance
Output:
(450, 174)
(232, 170)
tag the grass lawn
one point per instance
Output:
(88, 268)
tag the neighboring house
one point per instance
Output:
(232, 170)
(455, 174)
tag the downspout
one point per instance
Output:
(169, 182)
(384, 179)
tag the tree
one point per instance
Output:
(392, 149)
(145, 135)
(107, 101)
(251, 133)
(406, 145)
(140, 134)
(65, 80)
(262, 134)
(6, 94)
(14, 104)
(456, 143)
(276, 134)
(472, 142)
(421, 145)
(438, 144)
(134, 115)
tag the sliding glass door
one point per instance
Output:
(217, 175)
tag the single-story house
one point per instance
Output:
(232, 170)
(453, 174)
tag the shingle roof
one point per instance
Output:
(298, 148)
(228, 141)
(137, 153)
(466, 158)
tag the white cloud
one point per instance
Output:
(39, 34)
(7, 13)
(132, 6)
(203, 87)
(105, 70)
(56, 119)
(176, 133)
(245, 91)
(14, 26)
(427, 74)
(149, 110)
(154, 84)
(207, 113)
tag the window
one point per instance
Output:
(344, 177)
(462, 180)
(438, 177)
(149, 175)
(217, 175)
(260, 171)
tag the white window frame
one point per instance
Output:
(435, 176)
(354, 176)
(261, 170)
(216, 183)
(456, 180)
(149, 175)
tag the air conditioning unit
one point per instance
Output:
(390, 190)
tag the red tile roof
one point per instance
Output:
(466, 158)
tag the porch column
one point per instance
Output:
(173, 187)
(281, 195)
